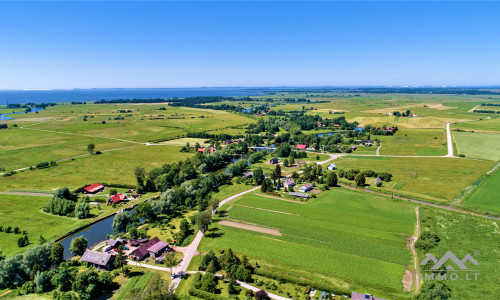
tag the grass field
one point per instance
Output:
(109, 167)
(415, 142)
(342, 235)
(24, 212)
(486, 196)
(478, 145)
(486, 124)
(438, 179)
(463, 234)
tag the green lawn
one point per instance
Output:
(478, 145)
(488, 123)
(486, 196)
(437, 179)
(25, 212)
(348, 238)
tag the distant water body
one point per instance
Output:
(45, 96)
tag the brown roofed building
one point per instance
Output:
(142, 252)
(101, 260)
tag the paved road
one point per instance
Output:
(190, 250)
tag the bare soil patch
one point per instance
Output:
(250, 227)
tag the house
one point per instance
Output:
(358, 296)
(336, 125)
(142, 251)
(201, 150)
(100, 260)
(301, 195)
(331, 167)
(288, 183)
(93, 188)
(377, 180)
(274, 161)
(301, 147)
(306, 187)
(117, 198)
(353, 148)
(157, 249)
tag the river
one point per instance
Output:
(3, 117)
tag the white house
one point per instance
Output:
(331, 167)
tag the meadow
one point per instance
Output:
(430, 142)
(465, 234)
(485, 197)
(478, 145)
(487, 123)
(342, 236)
(436, 179)
(25, 212)
(109, 167)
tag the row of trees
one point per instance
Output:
(63, 203)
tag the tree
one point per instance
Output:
(120, 258)
(64, 193)
(63, 279)
(41, 240)
(208, 283)
(434, 290)
(276, 173)
(331, 179)
(113, 191)
(140, 175)
(42, 282)
(211, 267)
(82, 210)
(184, 227)
(360, 179)
(120, 222)
(203, 220)
(213, 204)
(261, 295)
(78, 245)
(57, 253)
(23, 241)
(90, 148)
(258, 175)
(86, 284)
(170, 261)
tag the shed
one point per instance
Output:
(306, 187)
(331, 167)
(301, 195)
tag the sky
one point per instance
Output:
(52, 45)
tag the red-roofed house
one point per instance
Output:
(336, 125)
(301, 146)
(201, 150)
(117, 198)
(93, 188)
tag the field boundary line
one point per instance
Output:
(272, 197)
(81, 134)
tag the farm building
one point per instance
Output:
(93, 188)
(115, 243)
(117, 198)
(331, 167)
(288, 183)
(301, 195)
(306, 187)
(274, 161)
(301, 147)
(142, 251)
(100, 260)
(358, 296)
(157, 249)
(377, 180)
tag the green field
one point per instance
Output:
(486, 196)
(486, 124)
(109, 167)
(430, 142)
(465, 234)
(438, 179)
(25, 212)
(354, 239)
(478, 145)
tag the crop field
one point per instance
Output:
(465, 234)
(437, 179)
(109, 167)
(415, 142)
(478, 145)
(24, 212)
(342, 234)
(486, 196)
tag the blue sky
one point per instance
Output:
(46, 45)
